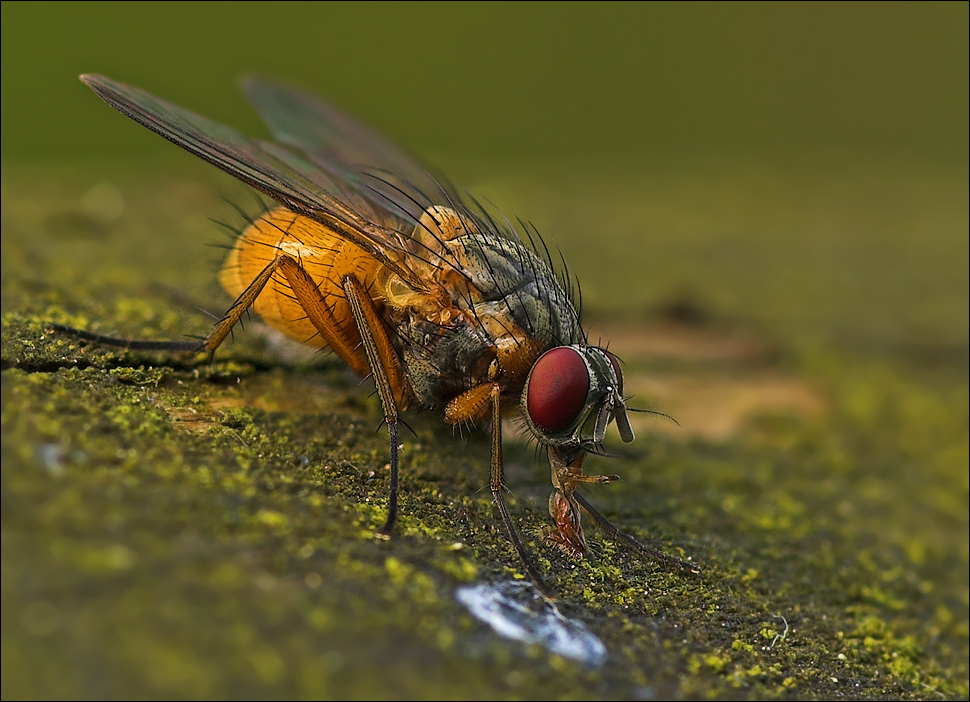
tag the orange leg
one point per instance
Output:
(387, 375)
(372, 353)
(309, 298)
(307, 295)
(379, 356)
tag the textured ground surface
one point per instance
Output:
(172, 527)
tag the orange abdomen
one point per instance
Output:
(324, 255)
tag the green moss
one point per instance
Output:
(181, 527)
(739, 645)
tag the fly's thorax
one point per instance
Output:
(441, 224)
(572, 394)
(431, 303)
(490, 273)
(507, 280)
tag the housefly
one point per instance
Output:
(442, 302)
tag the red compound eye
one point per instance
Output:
(557, 391)
(615, 362)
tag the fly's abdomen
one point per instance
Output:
(322, 253)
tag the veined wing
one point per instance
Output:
(496, 264)
(379, 210)
(339, 143)
(304, 187)
(393, 180)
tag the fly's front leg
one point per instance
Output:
(659, 556)
(387, 375)
(497, 485)
(566, 502)
(563, 508)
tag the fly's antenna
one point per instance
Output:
(656, 412)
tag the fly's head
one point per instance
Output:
(571, 395)
(569, 399)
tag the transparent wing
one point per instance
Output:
(333, 196)
(338, 143)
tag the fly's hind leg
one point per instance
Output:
(308, 296)
(218, 334)
(372, 352)
(304, 289)
(378, 355)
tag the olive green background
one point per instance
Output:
(766, 205)
(510, 80)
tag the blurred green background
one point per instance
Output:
(519, 80)
(767, 207)
(617, 128)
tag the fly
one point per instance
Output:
(407, 281)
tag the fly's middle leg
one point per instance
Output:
(472, 405)
(496, 484)
(387, 374)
